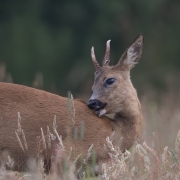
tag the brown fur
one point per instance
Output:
(121, 97)
(38, 108)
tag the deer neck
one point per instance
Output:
(129, 120)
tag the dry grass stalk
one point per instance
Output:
(69, 156)
(25, 177)
(150, 150)
(43, 139)
(24, 139)
(77, 158)
(82, 171)
(177, 143)
(71, 107)
(19, 132)
(41, 168)
(88, 154)
(57, 135)
(48, 137)
(20, 143)
(133, 171)
(19, 123)
(165, 156)
(118, 167)
(10, 162)
(154, 168)
(144, 157)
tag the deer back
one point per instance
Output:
(37, 109)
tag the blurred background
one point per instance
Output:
(46, 44)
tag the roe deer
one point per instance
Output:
(113, 92)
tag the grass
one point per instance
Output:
(143, 162)
(155, 155)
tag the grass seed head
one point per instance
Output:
(177, 143)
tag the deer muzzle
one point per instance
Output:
(98, 106)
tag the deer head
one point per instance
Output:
(112, 85)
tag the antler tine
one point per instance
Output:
(96, 64)
(106, 59)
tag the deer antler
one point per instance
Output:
(96, 64)
(106, 59)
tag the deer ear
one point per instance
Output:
(132, 55)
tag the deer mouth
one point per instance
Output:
(97, 106)
(101, 112)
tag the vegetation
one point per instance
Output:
(149, 164)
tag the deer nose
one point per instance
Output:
(96, 104)
(92, 103)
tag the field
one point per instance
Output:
(154, 156)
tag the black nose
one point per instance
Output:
(96, 104)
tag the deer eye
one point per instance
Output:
(109, 81)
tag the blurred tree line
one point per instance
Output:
(46, 43)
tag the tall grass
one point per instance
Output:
(154, 156)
